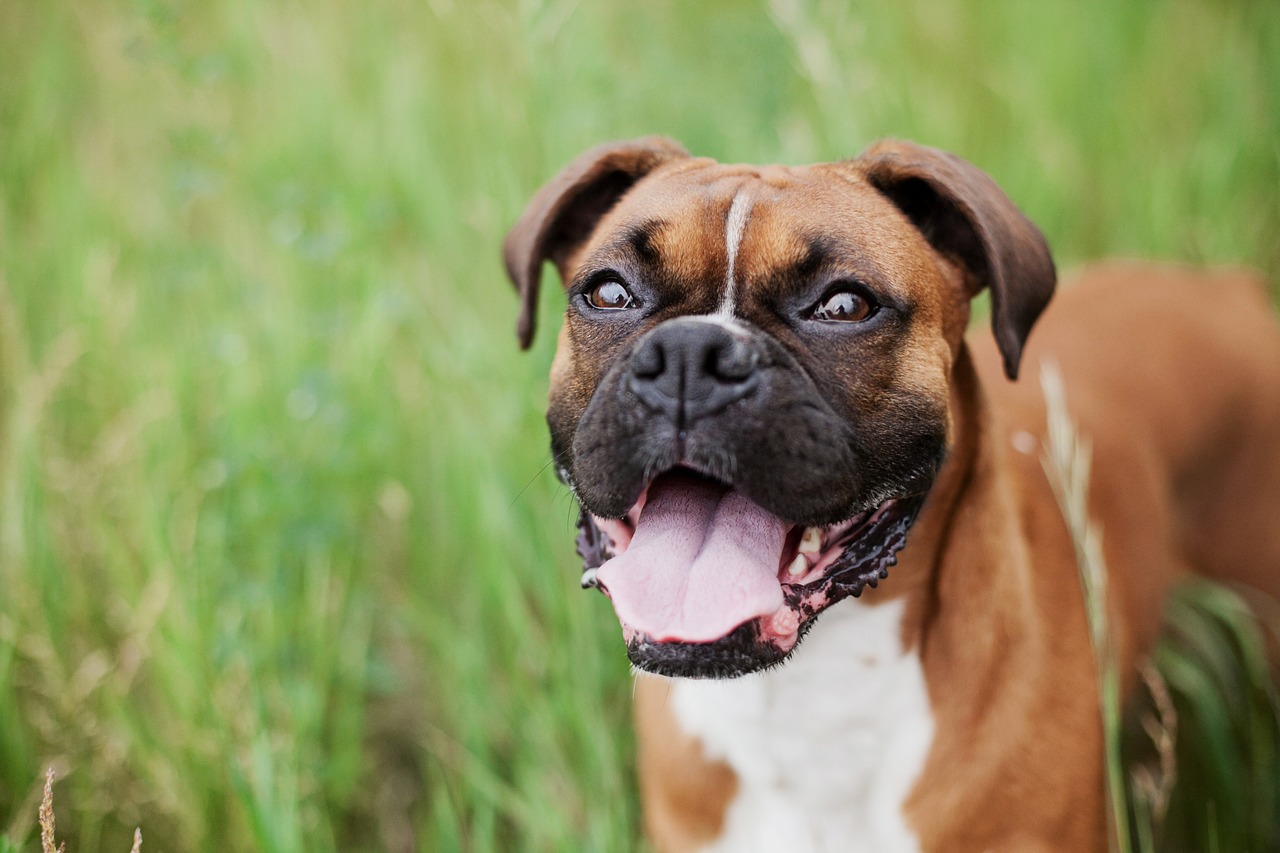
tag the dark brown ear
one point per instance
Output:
(562, 214)
(966, 217)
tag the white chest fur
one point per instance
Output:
(826, 748)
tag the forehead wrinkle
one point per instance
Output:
(870, 206)
(829, 253)
(629, 243)
(683, 241)
(773, 248)
(640, 238)
(839, 220)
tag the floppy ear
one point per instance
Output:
(562, 214)
(966, 217)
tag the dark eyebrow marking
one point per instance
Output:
(641, 237)
(818, 251)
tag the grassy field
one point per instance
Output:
(281, 565)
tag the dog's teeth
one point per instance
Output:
(811, 542)
(798, 566)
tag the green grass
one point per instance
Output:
(281, 567)
(1213, 660)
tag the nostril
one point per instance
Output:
(649, 362)
(731, 361)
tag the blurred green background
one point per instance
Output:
(281, 564)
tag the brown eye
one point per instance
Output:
(611, 296)
(843, 305)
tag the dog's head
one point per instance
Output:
(750, 397)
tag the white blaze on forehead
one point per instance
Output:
(735, 227)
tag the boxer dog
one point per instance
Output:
(764, 401)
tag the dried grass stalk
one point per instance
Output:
(46, 817)
(47, 823)
(1067, 459)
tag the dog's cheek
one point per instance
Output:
(592, 349)
(566, 404)
(902, 444)
(561, 428)
(612, 459)
(916, 415)
(785, 446)
(578, 368)
(614, 446)
(562, 364)
(891, 433)
(804, 469)
(892, 389)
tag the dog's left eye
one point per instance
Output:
(611, 295)
(844, 305)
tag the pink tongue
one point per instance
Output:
(703, 561)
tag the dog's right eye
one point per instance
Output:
(844, 305)
(610, 295)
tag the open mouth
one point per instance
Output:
(706, 583)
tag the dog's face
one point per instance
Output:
(750, 397)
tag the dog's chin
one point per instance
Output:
(744, 600)
(744, 650)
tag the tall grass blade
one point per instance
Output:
(1066, 462)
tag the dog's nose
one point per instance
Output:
(689, 369)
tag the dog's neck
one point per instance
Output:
(963, 582)
(915, 579)
(968, 601)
